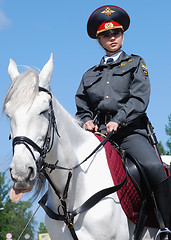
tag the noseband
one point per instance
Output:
(49, 139)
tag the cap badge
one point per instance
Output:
(108, 11)
(108, 25)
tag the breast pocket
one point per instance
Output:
(93, 87)
(92, 79)
(122, 78)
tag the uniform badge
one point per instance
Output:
(108, 25)
(108, 11)
(144, 69)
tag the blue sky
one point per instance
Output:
(31, 30)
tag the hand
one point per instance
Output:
(111, 126)
(89, 125)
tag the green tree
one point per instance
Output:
(168, 132)
(42, 228)
(14, 216)
(4, 189)
(161, 149)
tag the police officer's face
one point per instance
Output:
(112, 42)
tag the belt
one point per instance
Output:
(103, 118)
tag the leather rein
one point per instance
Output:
(63, 213)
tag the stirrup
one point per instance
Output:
(160, 231)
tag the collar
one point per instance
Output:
(114, 56)
(122, 57)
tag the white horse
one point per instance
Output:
(28, 110)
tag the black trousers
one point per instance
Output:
(138, 146)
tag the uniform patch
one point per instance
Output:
(144, 69)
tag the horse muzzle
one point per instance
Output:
(18, 189)
(18, 177)
(23, 175)
(22, 183)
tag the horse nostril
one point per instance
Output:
(10, 172)
(30, 175)
(12, 177)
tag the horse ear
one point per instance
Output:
(45, 74)
(12, 70)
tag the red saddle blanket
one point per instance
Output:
(128, 195)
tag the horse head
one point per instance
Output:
(28, 110)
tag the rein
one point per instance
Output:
(63, 214)
(68, 217)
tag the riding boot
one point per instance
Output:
(162, 194)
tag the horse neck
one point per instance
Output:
(71, 136)
(66, 146)
(71, 148)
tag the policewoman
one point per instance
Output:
(114, 95)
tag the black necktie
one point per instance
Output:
(110, 61)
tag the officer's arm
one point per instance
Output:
(83, 105)
(139, 96)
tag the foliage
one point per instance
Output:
(14, 216)
(42, 228)
(168, 132)
(3, 188)
(161, 149)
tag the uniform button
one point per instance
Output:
(107, 82)
(107, 97)
(123, 124)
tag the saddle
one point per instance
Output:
(136, 198)
(133, 195)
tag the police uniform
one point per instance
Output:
(121, 89)
(119, 92)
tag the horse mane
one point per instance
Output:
(23, 89)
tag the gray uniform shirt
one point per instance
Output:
(122, 89)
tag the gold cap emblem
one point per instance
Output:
(108, 11)
(109, 25)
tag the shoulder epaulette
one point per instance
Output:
(135, 56)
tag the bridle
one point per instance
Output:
(63, 214)
(49, 138)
